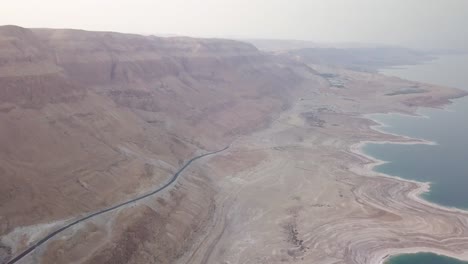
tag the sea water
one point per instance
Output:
(445, 164)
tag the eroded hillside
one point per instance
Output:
(89, 119)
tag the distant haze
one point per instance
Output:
(440, 24)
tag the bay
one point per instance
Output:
(445, 164)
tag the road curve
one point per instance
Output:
(56, 232)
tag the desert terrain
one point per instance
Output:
(90, 120)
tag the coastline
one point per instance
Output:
(385, 255)
(297, 192)
(316, 223)
(368, 170)
(371, 162)
(322, 201)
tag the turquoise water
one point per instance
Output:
(423, 258)
(445, 165)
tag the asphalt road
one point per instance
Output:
(56, 232)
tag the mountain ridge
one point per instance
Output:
(94, 118)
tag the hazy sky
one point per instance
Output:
(414, 23)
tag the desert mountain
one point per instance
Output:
(89, 119)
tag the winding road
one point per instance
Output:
(56, 232)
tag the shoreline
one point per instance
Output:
(367, 169)
(357, 148)
(316, 195)
(387, 254)
(295, 192)
(322, 203)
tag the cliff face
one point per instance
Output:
(92, 118)
(178, 83)
(29, 78)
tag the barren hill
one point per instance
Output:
(89, 119)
